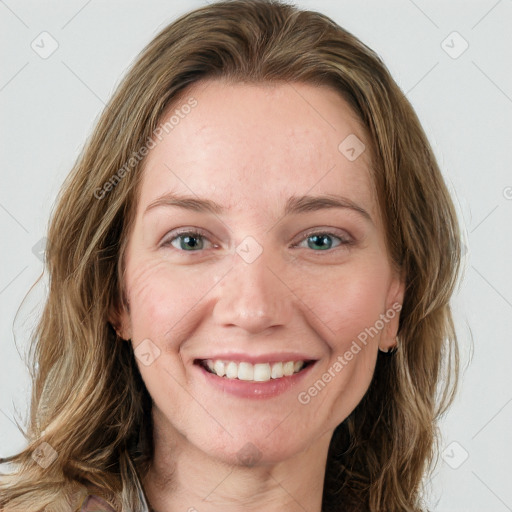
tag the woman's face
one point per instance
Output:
(270, 270)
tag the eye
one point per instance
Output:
(324, 241)
(195, 241)
(187, 241)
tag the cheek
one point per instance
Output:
(162, 296)
(346, 300)
(148, 295)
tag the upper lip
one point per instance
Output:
(274, 357)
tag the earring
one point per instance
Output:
(393, 349)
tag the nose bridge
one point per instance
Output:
(252, 297)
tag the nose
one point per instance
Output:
(253, 296)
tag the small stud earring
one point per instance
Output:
(393, 349)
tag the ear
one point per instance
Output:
(394, 302)
(119, 318)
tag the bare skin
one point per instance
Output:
(250, 148)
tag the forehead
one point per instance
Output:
(255, 145)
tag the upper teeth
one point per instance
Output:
(259, 372)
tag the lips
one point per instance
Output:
(250, 388)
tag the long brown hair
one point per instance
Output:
(89, 403)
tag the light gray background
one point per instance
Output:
(49, 107)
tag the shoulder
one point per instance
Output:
(94, 503)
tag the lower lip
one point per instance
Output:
(252, 389)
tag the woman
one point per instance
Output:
(250, 272)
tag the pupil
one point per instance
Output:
(190, 241)
(323, 241)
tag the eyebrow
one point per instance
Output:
(294, 204)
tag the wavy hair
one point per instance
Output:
(88, 400)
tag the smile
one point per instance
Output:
(259, 372)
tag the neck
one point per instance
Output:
(184, 478)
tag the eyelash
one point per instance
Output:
(344, 241)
